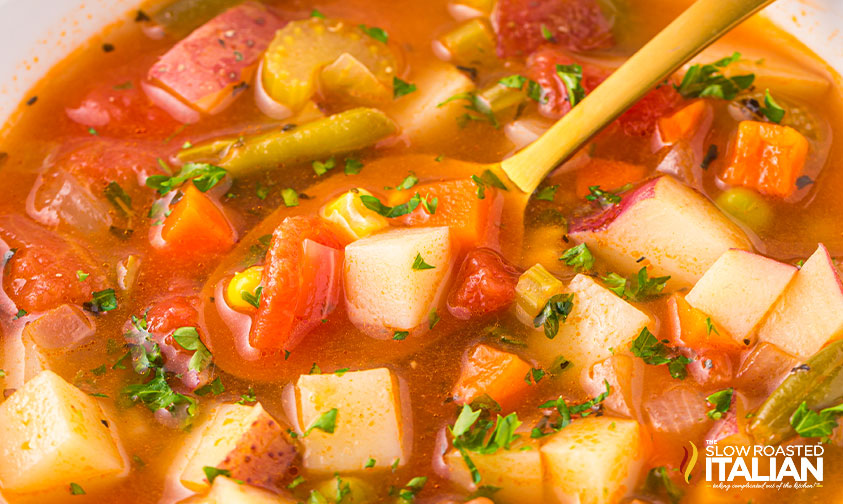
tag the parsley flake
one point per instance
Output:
(401, 88)
(419, 264)
(326, 422)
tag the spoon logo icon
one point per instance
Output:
(689, 460)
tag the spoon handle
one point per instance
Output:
(700, 25)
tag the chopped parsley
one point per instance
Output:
(253, 299)
(579, 258)
(261, 191)
(315, 369)
(375, 205)
(419, 264)
(478, 110)
(81, 275)
(571, 76)
(604, 198)
(513, 81)
(408, 182)
(534, 375)
(315, 13)
(547, 193)
(76, 489)
(296, 482)
(400, 335)
(771, 109)
(534, 89)
(102, 301)
(211, 473)
(401, 88)
(188, 338)
(547, 34)
(565, 411)
(248, 397)
(641, 288)
(376, 33)
(353, 166)
(810, 424)
(119, 199)
(709, 327)
(413, 487)
(720, 402)
(556, 310)
(156, 394)
(433, 319)
(326, 422)
(215, 387)
(471, 434)
(204, 177)
(322, 167)
(655, 353)
(370, 463)
(708, 80)
(290, 197)
(658, 482)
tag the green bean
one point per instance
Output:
(320, 139)
(819, 383)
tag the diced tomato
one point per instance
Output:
(711, 368)
(492, 372)
(196, 225)
(205, 68)
(98, 161)
(641, 119)
(164, 317)
(473, 221)
(42, 272)
(485, 284)
(684, 122)
(118, 107)
(301, 283)
(541, 67)
(578, 25)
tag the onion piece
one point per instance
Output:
(523, 132)
(676, 410)
(461, 12)
(265, 103)
(63, 327)
(58, 197)
(170, 104)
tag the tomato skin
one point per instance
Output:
(577, 25)
(485, 284)
(168, 315)
(300, 281)
(641, 119)
(541, 67)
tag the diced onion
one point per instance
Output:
(58, 197)
(172, 105)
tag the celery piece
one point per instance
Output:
(472, 43)
(183, 16)
(500, 99)
(818, 383)
(320, 139)
(535, 287)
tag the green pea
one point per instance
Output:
(747, 206)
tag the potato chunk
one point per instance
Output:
(227, 491)
(245, 440)
(384, 293)
(51, 434)
(517, 471)
(369, 421)
(594, 460)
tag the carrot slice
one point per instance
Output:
(197, 225)
(492, 372)
(683, 123)
(766, 157)
(608, 175)
(691, 327)
(471, 219)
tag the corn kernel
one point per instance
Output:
(351, 218)
(245, 281)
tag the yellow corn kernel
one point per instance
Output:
(245, 281)
(351, 218)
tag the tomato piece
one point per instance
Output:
(98, 161)
(168, 315)
(541, 67)
(301, 283)
(485, 284)
(578, 25)
(42, 272)
(197, 225)
(642, 118)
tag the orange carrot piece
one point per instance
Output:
(609, 175)
(689, 327)
(492, 372)
(197, 225)
(472, 220)
(766, 157)
(683, 123)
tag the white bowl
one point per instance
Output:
(36, 34)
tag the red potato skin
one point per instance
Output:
(205, 68)
(577, 25)
(41, 275)
(485, 284)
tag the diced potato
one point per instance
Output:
(625, 380)
(599, 324)
(594, 460)
(51, 434)
(418, 113)
(247, 441)
(383, 292)
(739, 289)
(350, 218)
(227, 491)
(517, 471)
(300, 51)
(369, 421)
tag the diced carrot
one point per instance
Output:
(609, 175)
(492, 372)
(471, 219)
(689, 327)
(766, 157)
(197, 225)
(683, 123)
